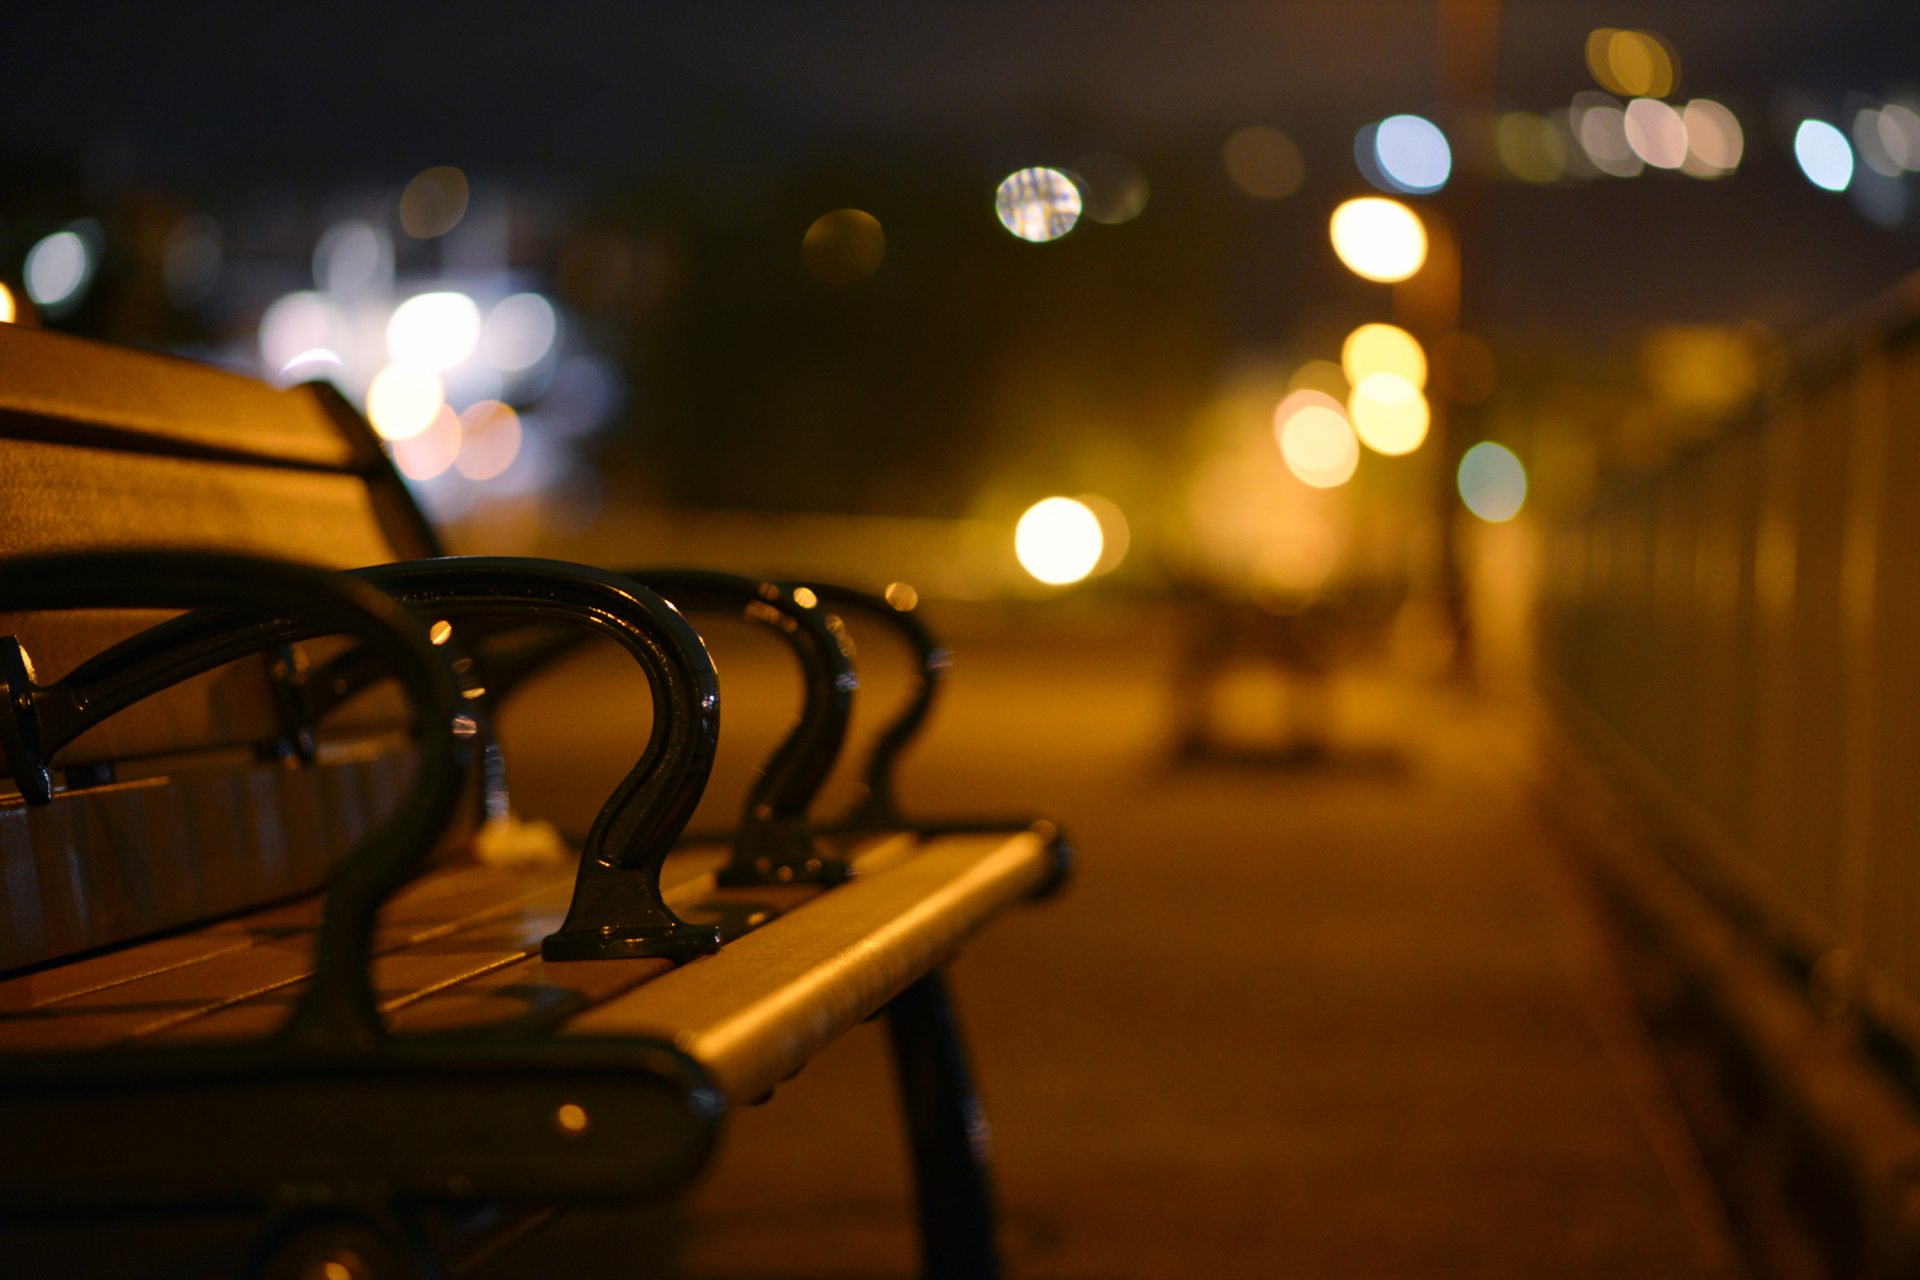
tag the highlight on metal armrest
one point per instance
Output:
(243, 606)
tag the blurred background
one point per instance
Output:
(1306, 418)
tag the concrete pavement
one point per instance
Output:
(1350, 1020)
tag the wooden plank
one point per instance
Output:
(754, 1013)
(113, 863)
(457, 949)
(165, 401)
(63, 497)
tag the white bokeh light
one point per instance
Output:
(1038, 204)
(433, 331)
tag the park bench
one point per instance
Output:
(273, 948)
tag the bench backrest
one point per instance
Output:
(180, 818)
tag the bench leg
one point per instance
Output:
(948, 1130)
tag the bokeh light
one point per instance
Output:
(1112, 188)
(1637, 64)
(1600, 126)
(58, 269)
(489, 440)
(296, 324)
(433, 331)
(1715, 143)
(1824, 154)
(433, 202)
(1316, 440)
(1389, 414)
(1531, 147)
(1412, 154)
(1264, 163)
(1378, 238)
(1899, 129)
(902, 596)
(1655, 133)
(403, 402)
(1492, 482)
(9, 309)
(518, 332)
(1038, 204)
(1323, 376)
(843, 246)
(353, 258)
(427, 454)
(1115, 536)
(1383, 348)
(1058, 541)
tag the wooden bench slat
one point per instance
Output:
(216, 975)
(756, 1011)
(146, 500)
(163, 401)
(276, 951)
(109, 864)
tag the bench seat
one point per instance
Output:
(459, 949)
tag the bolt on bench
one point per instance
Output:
(270, 940)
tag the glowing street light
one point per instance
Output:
(1379, 239)
(1058, 541)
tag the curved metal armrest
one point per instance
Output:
(774, 842)
(879, 806)
(618, 909)
(256, 604)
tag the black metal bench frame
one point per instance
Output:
(335, 1130)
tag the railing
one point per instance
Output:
(1743, 627)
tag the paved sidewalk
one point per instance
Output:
(1344, 1021)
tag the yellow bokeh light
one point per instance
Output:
(571, 1118)
(402, 402)
(1058, 541)
(9, 309)
(1115, 536)
(433, 202)
(1316, 440)
(1638, 64)
(902, 596)
(1383, 348)
(1389, 414)
(844, 246)
(1379, 239)
(490, 440)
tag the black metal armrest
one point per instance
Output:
(879, 807)
(255, 605)
(774, 842)
(618, 909)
